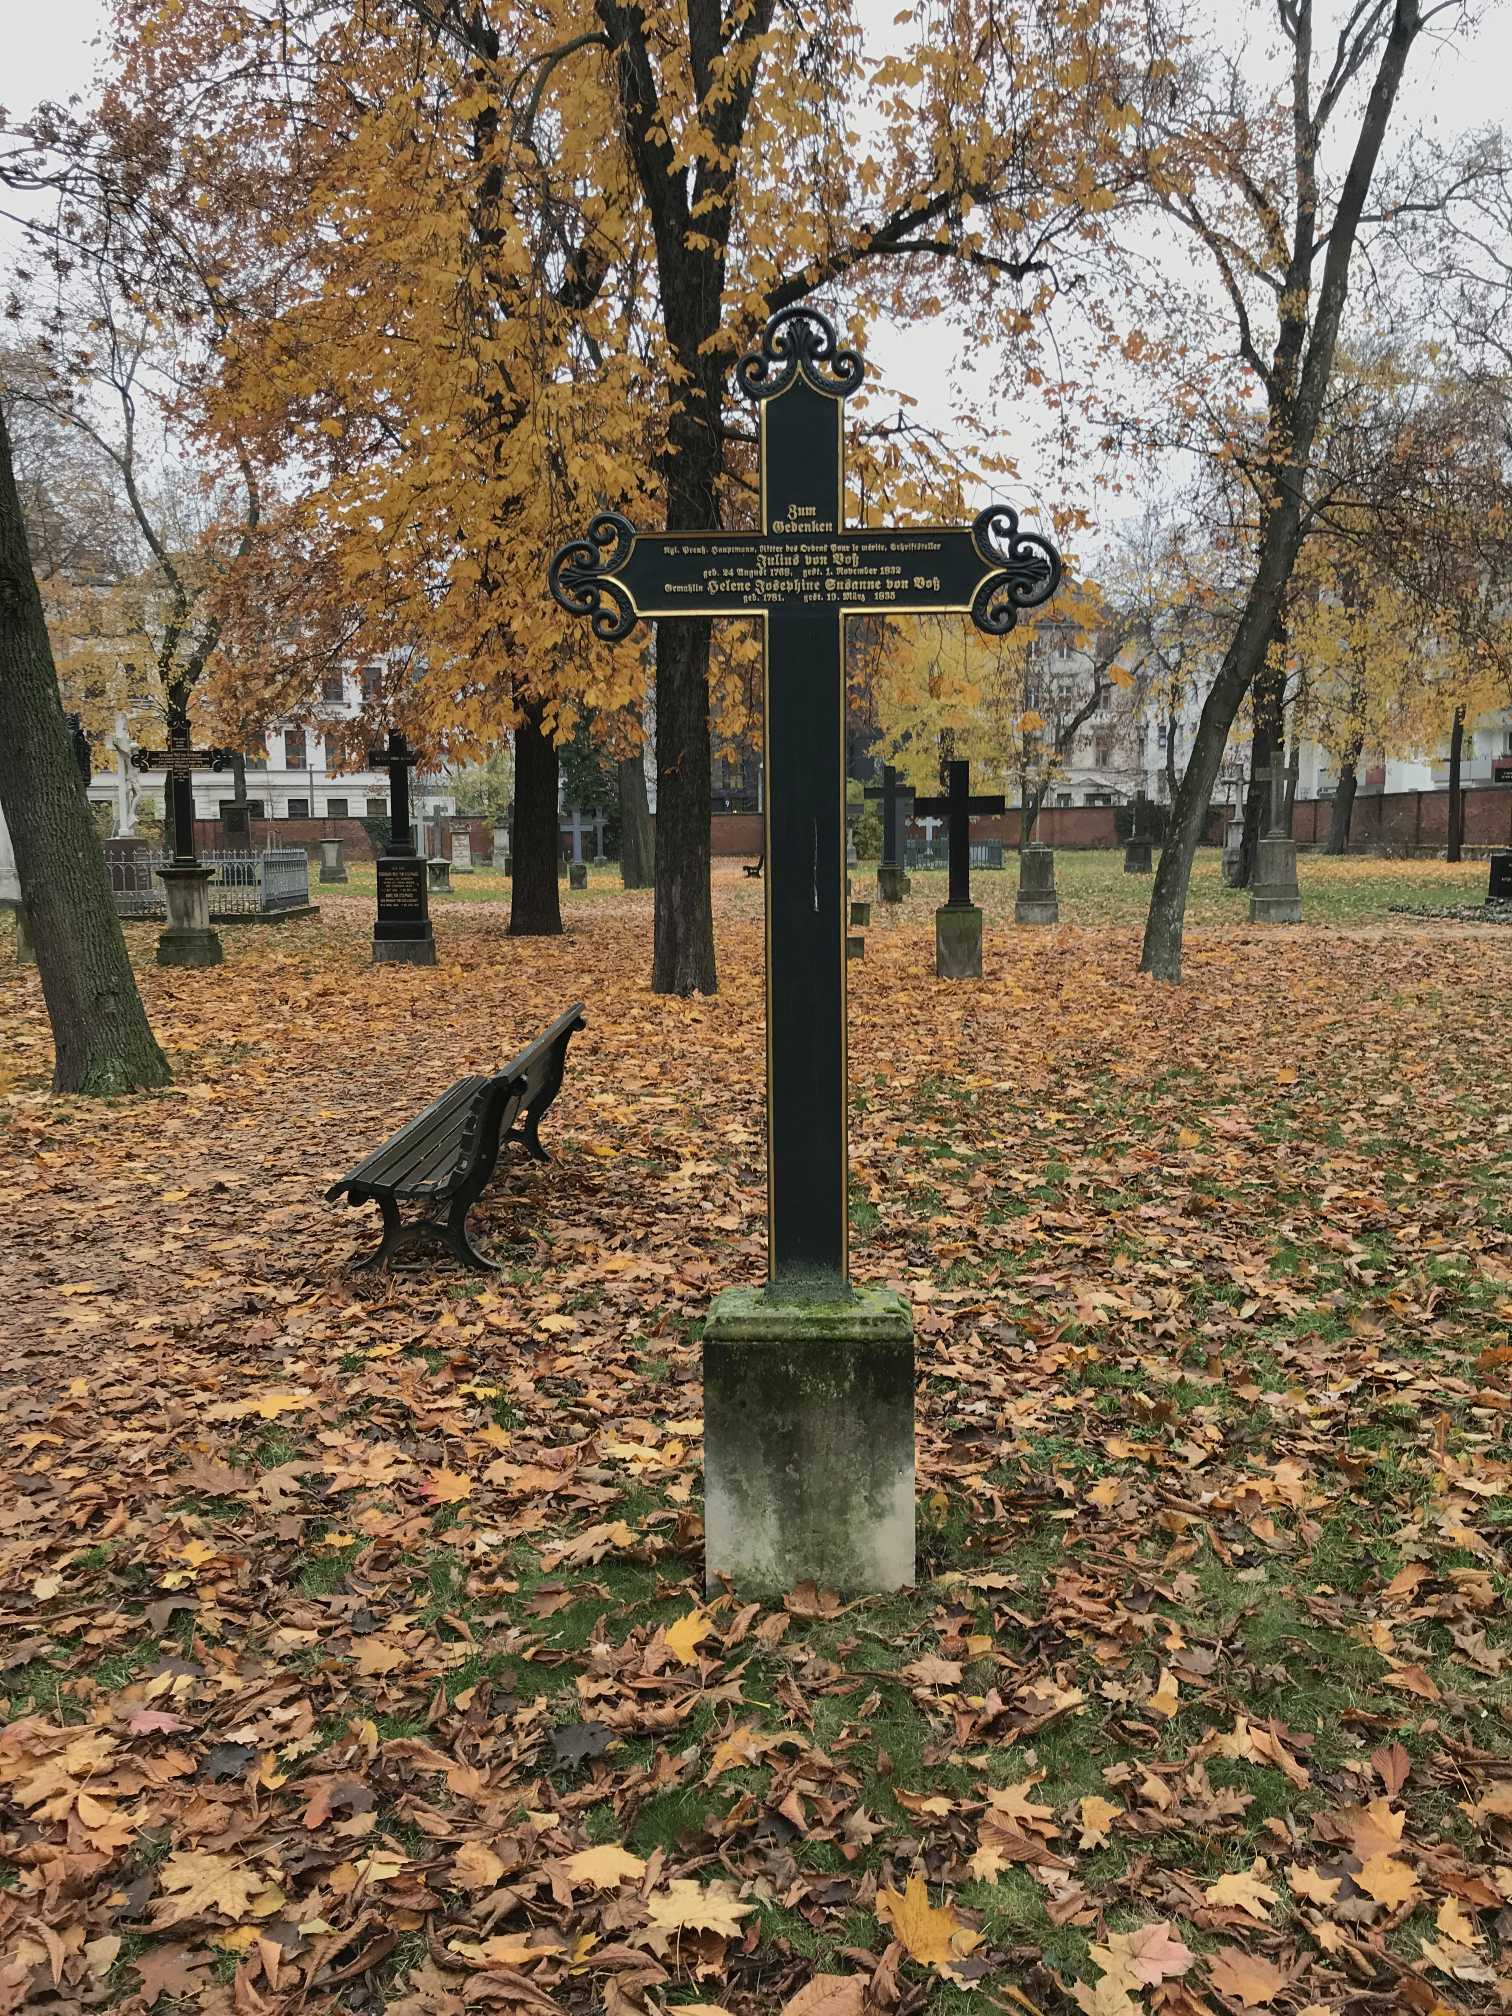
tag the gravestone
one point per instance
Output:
(1274, 895)
(128, 792)
(438, 872)
(236, 828)
(1137, 859)
(10, 897)
(1499, 884)
(578, 823)
(461, 846)
(896, 799)
(808, 1382)
(1233, 853)
(577, 874)
(501, 849)
(332, 867)
(402, 932)
(1036, 901)
(958, 921)
(186, 939)
(931, 827)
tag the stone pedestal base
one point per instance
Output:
(188, 939)
(1499, 886)
(501, 849)
(809, 1442)
(958, 942)
(855, 945)
(26, 951)
(860, 912)
(892, 885)
(1036, 902)
(1233, 853)
(1274, 895)
(404, 951)
(332, 867)
(577, 875)
(1137, 859)
(438, 874)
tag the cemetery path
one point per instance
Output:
(351, 1643)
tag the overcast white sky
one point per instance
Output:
(1453, 86)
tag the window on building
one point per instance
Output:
(257, 762)
(298, 808)
(294, 749)
(1063, 797)
(370, 682)
(333, 689)
(1162, 735)
(1102, 752)
(377, 808)
(336, 808)
(1097, 798)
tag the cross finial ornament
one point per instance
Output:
(802, 570)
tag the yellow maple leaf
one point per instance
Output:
(1167, 1697)
(601, 1868)
(684, 1635)
(195, 1885)
(270, 1405)
(1388, 1880)
(1097, 1816)
(932, 1935)
(685, 1906)
(1242, 1890)
(447, 1487)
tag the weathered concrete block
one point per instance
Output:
(188, 940)
(958, 942)
(438, 873)
(1233, 853)
(860, 912)
(1137, 855)
(809, 1442)
(892, 885)
(1036, 902)
(332, 867)
(577, 875)
(855, 945)
(1274, 895)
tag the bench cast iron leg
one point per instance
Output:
(535, 1113)
(453, 1235)
(393, 1233)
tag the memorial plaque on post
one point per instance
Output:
(402, 929)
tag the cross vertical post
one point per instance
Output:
(188, 939)
(897, 804)
(958, 922)
(808, 1384)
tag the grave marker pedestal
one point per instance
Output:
(1233, 853)
(958, 921)
(1137, 858)
(186, 939)
(1275, 897)
(808, 1384)
(1036, 902)
(438, 872)
(461, 846)
(577, 874)
(1499, 883)
(402, 932)
(501, 849)
(332, 867)
(896, 800)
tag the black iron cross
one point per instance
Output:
(397, 757)
(802, 572)
(180, 760)
(956, 808)
(896, 800)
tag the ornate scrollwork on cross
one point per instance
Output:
(1028, 570)
(578, 576)
(799, 339)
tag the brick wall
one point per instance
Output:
(1410, 822)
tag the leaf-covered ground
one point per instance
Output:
(353, 1653)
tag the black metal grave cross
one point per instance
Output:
(398, 759)
(897, 801)
(802, 572)
(955, 808)
(180, 760)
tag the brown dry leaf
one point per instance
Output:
(933, 1936)
(828, 1995)
(476, 1867)
(1413, 1680)
(933, 1671)
(1166, 1700)
(685, 1906)
(1248, 1977)
(1104, 1998)
(1146, 1956)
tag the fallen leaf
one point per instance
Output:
(933, 1936)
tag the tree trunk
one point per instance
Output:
(1267, 746)
(1170, 754)
(637, 834)
(1030, 809)
(1454, 851)
(683, 961)
(101, 1038)
(1342, 815)
(535, 902)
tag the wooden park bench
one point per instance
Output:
(444, 1157)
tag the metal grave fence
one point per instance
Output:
(984, 853)
(241, 885)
